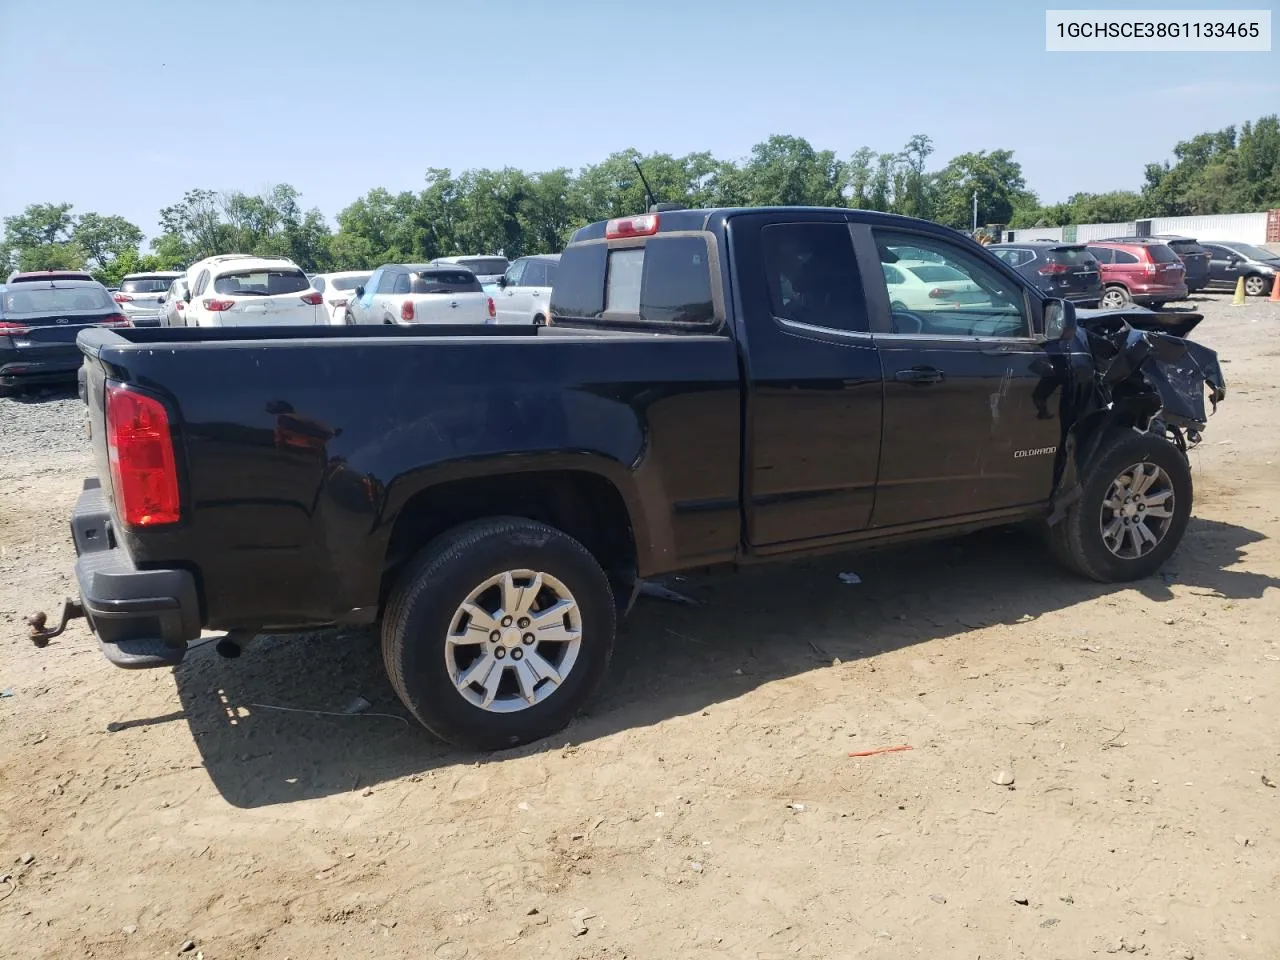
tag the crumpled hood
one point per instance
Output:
(1139, 358)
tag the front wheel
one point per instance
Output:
(1255, 286)
(1133, 510)
(498, 633)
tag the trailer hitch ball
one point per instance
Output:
(40, 633)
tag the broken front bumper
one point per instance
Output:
(142, 618)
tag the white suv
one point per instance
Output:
(237, 290)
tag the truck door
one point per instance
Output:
(971, 397)
(813, 404)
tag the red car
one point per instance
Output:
(1145, 272)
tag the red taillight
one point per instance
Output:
(937, 293)
(406, 311)
(179, 304)
(641, 226)
(13, 329)
(144, 472)
(1049, 269)
(337, 303)
(313, 299)
(217, 306)
(122, 298)
(493, 311)
(1149, 268)
(116, 320)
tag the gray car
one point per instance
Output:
(142, 295)
(1232, 260)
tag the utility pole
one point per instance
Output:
(975, 211)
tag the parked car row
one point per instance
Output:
(1149, 271)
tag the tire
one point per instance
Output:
(426, 608)
(1078, 541)
(1254, 285)
(1114, 297)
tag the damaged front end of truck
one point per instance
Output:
(1146, 376)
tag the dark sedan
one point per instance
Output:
(39, 321)
(1065, 270)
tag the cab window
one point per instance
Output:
(938, 289)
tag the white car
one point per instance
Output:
(524, 292)
(927, 285)
(405, 294)
(337, 289)
(488, 269)
(243, 291)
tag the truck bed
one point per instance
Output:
(300, 448)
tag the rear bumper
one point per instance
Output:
(142, 618)
(1157, 292)
(44, 365)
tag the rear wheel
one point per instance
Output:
(498, 633)
(1114, 297)
(1133, 510)
(1255, 286)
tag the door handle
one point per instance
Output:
(536, 293)
(920, 375)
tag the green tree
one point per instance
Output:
(786, 170)
(104, 240)
(41, 238)
(996, 177)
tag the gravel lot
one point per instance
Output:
(1093, 769)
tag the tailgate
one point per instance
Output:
(269, 311)
(449, 308)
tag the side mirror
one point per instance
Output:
(1060, 320)
(359, 292)
(161, 299)
(502, 282)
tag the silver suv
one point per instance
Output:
(141, 296)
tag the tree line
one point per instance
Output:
(517, 213)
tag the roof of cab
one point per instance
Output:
(712, 218)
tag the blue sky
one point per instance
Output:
(120, 107)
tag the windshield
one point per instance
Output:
(485, 266)
(444, 281)
(1252, 252)
(1071, 256)
(261, 283)
(56, 299)
(146, 285)
(350, 283)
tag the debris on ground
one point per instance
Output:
(358, 705)
(850, 578)
(879, 750)
(1002, 778)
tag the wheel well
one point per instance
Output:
(584, 505)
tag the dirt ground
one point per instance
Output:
(707, 806)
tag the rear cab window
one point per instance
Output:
(261, 283)
(1161, 253)
(485, 266)
(666, 281)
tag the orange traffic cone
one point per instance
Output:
(1275, 290)
(1238, 299)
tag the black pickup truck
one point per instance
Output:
(716, 387)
